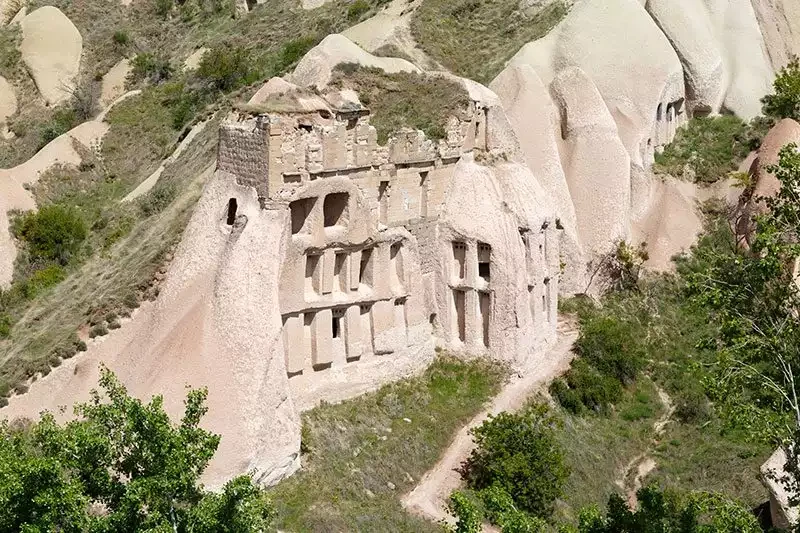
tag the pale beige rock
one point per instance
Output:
(671, 223)
(765, 183)
(360, 267)
(596, 164)
(13, 182)
(193, 61)
(202, 332)
(113, 85)
(630, 61)
(391, 26)
(317, 65)
(722, 50)
(274, 86)
(524, 97)
(8, 101)
(783, 513)
(51, 50)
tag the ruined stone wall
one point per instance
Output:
(368, 281)
(243, 151)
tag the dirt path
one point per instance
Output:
(429, 497)
(640, 466)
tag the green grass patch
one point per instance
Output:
(709, 457)
(129, 254)
(364, 454)
(475, 38)
(597, 448)
(709, 148)
(404, 99)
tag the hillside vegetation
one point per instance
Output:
(475, 38)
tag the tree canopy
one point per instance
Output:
(121, 466)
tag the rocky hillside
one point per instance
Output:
(109, 118)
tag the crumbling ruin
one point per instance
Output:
(373, 269)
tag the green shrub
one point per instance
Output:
(81, 346)
(612, 345)
(151, 67)
(98, 330)
(43, 279)
(225, 68)
(518, 453)
(584, 387)
(163, 7)
(157, 199)
(404, 99)
(502, 511)
(5, 326)
(692, 406)
(785, 100)
(711, 147)
(293, 51)
(53, 234)
(130, 301)
(63, 120)
(469, 518)
(121, 37)
(357, 9)
(642, 407)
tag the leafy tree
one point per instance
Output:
(518, 453)
(785, 102)
(468, 516)
(122, 466)
(53, 234)
(225, 68)
(755, 297)
(669, 512)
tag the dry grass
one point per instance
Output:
(404, 99)
(597, 449)
(112, 280)
(367, 452)
(475, 38)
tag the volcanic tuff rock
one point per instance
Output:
(51, 49)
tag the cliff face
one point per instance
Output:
(319, 264)
(611, 84)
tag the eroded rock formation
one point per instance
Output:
(51, 49)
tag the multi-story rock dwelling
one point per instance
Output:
(378, 265)
(319, 264)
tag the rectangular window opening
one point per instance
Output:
(340, 272)
(459, 304)
(485, 302)
(336, 323)
(484, 261)
(459, 259)
(365, 268)
(300, 211)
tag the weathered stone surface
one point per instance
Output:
(722, 50)
(317, 65)
(630, 61)
(765, 183)
(596, 164)
(8, 101)
(524, 97)
(784, 515)
(113, 85)
(51, 49)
